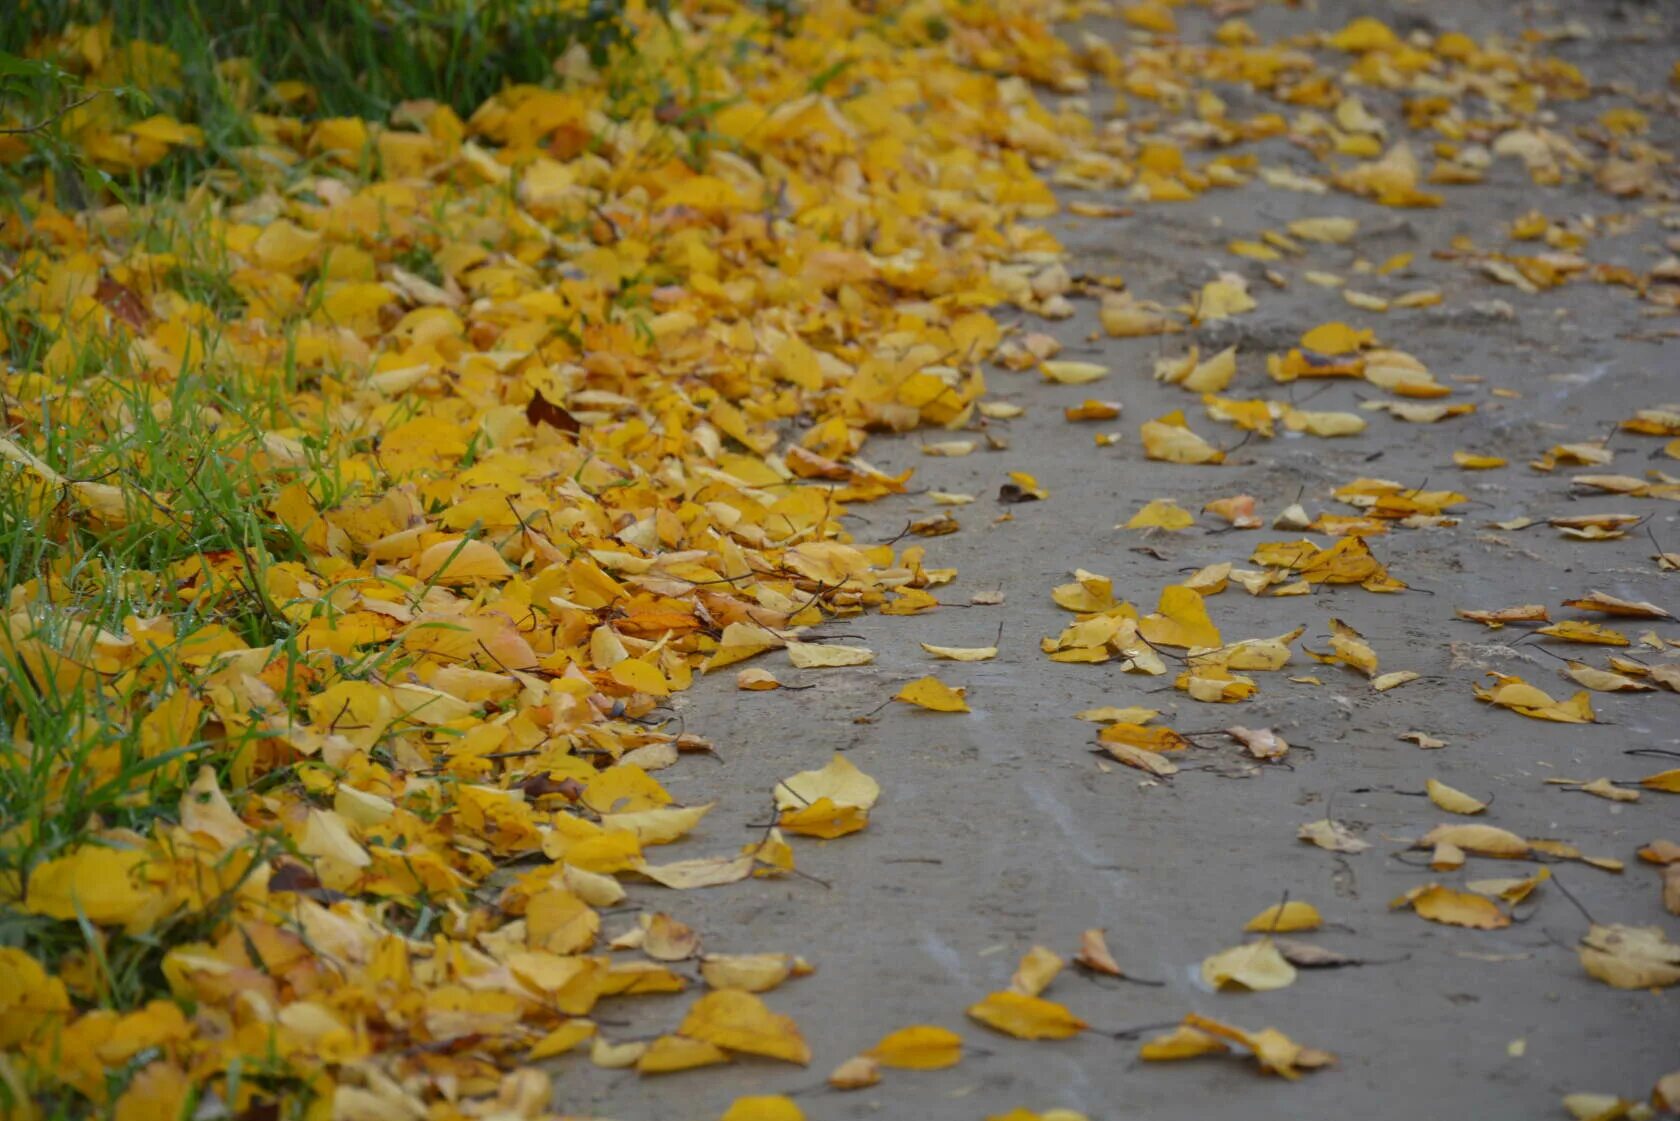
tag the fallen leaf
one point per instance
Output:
(1256, 965)
(855, 1073)
(1284, 918)
(1604, 681)
(807, 655)
(1182, 1042)
(1613, 605)
(1162, 513)
(1073, 373)
(921, 1047)
(1026, 1017)
(1331, 835)
(1513, 890)
(667, 939)
(1483, 840)
(1630, 957)
(823, 818)
(962, 653)
(1094, 954)
(1454, 908)
(739, 1021)
(764, 1107)
(933, 694)
(1262, 743)
(840, 781)
(753, 973)
(1518, 695)
(1038, 968)
(1452, 800)
(1522, 613)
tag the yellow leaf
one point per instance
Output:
(1090, 409)
(1351, 648)
(1604, 681)
(932, 693)
(1149, 739)
(768, 1107)
(1473, 461)
(1169, 438)
(920, 1047)
(753, 973)
(1331, 231)
(1323, 424)
(1666, 781)
(739, 1021)
(1094, 953)
(1073, 373)
(1162, 513)
(824, 819)
(1581, 630)
(105, 885)
(1332, 836)
(328, 835)
(658, 826)
(1183, 1042)
(1284, 918)
(1512, 891)
(454, 562)
(1038, 968)
(32, 1002)
(671, 1053)
(1630, 957)
(1454, 908)
(1213, 375)
(840, 781)
(1484, 840)
(855, 1073)
(562, 1039)
(1141, 758)
(807, 655)
(1088, 593)
(1257, 966)
(632, 673)
(1519, 696)
(624, 788)
(1451, 800)
(962, 653)
(1026, 1017)
(1336, 338)
(1180, 619)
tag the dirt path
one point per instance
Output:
(1000, 829)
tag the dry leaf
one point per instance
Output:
(1630, 957)
(1038, 968)
(1454, 908)
(1451, 800)
(1257, 965)
(1026, 1017)
(1094, 954)
(933, 694)
(1284, 918)
(921, 1047)
(855, 1073)
(739, 1021)
(1331, 835)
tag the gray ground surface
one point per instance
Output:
(997, 830)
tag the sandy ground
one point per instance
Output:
(998, 830)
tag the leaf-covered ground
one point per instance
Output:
(1097, 535)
